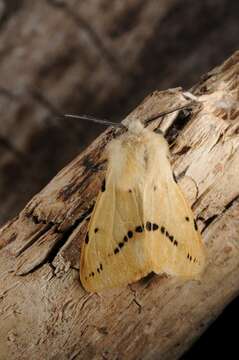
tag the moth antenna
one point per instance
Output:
(163, 113)
(93, 119)
(110, 123)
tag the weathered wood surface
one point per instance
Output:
(45, 313)
(95, 57)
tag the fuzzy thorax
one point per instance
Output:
(133, 156)
(135, 126)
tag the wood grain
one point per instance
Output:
(44, 311)
(91, 57)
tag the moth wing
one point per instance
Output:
(141, 221)
(177, 246)
(115, 252)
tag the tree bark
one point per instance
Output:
(94, 57)
(45, 313)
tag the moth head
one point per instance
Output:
(134, 125)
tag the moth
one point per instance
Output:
(141, 222)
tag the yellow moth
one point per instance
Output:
(141, 221)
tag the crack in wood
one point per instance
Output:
(33, 239)
(178, 125)
(138, 304)
(64, 235)
(85, 214)
(209, 220)
(231, 203)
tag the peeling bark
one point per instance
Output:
(95, 57)
(159, 316)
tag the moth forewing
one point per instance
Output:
(141, 221)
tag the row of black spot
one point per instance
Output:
(125, 240)
(150, 227)
(139, 229)
(87, 235)
(153, 227)
(170, 237)
(99, 269)
(189, 257)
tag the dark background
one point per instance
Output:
(97, 57)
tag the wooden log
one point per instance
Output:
(93, 57)
(44, 311)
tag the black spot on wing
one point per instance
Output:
(87, 238)
(139, 229)
(195, 225)
(174, 178)
(103, 187)
(191, 259)
(96, 230)
(186, 218)
(126, 238)
(122, 243)
(130, 234)
(148, 226)
(155, 227)
(171, 238)
(98, 270)
(92, 274)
